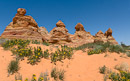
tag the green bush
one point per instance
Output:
(35, 57)
(95, 51)
(128, 53)
(20, 43)
(57, 74)
(61, 75)
(35, 42)
(61, 54)
(103, 69)
(3, 40)
(13, 66)
(46, 54)
(122, 76)
(54, 73)
(46, 43)
(116, 48)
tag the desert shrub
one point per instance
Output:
(13, 66)
(103, 69)
(116, 48)
(61, 54)
(122, 76)
(18, 77)
(35, 57)
(95, 51)
(20, 43)
(46, 43)
(2, 40)
(89, 45)
(46, 54)
(98, 45)
(44, 77)
(128, 53)
(61, 75)
(35, 42)
(57, 74)
(25, 52)
(54, 73)
(8, 44)
(122, 67)
(34, 78)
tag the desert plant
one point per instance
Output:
(35, 57)
(46, 43)
(2, 40)
(116, 48)
(18, 77)
(54, 73)
(128, 53)
(61, 54)
(57, 74)
(102, 69)
(61, 75)
(46, 54)
(35, 42)
(13, 66)
(95, 51)
(44, 77)
(34, 78)
(122, 67)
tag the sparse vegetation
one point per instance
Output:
(13, 66)
(57, 74)
(46, 54)
(46, 43)
(20, 43)
(35, 42)
(104, 47)
(122, 67)
(95, 51)
(62, 54)
(103, 69)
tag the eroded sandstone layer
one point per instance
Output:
(22, 27)
(25, 27)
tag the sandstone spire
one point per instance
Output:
(60, 24)
(79, 27)
(108, 32)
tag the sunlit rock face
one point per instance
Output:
(22, 27)
(107, 37)
(59, 34)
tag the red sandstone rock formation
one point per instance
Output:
(81, 36)
(59, 34)
(107, 37)
(99, 37)
(22, 27)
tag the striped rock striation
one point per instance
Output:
(22, 27)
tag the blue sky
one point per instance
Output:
(95, 15)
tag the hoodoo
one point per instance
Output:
(22, 27)
(59, 34)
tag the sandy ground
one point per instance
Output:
(82, 67)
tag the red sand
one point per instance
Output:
(82, 67)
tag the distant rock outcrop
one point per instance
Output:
(22, 27)
(59, 34)
(99, 37)
(81, 36)
(25, 27)
(107, 37)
